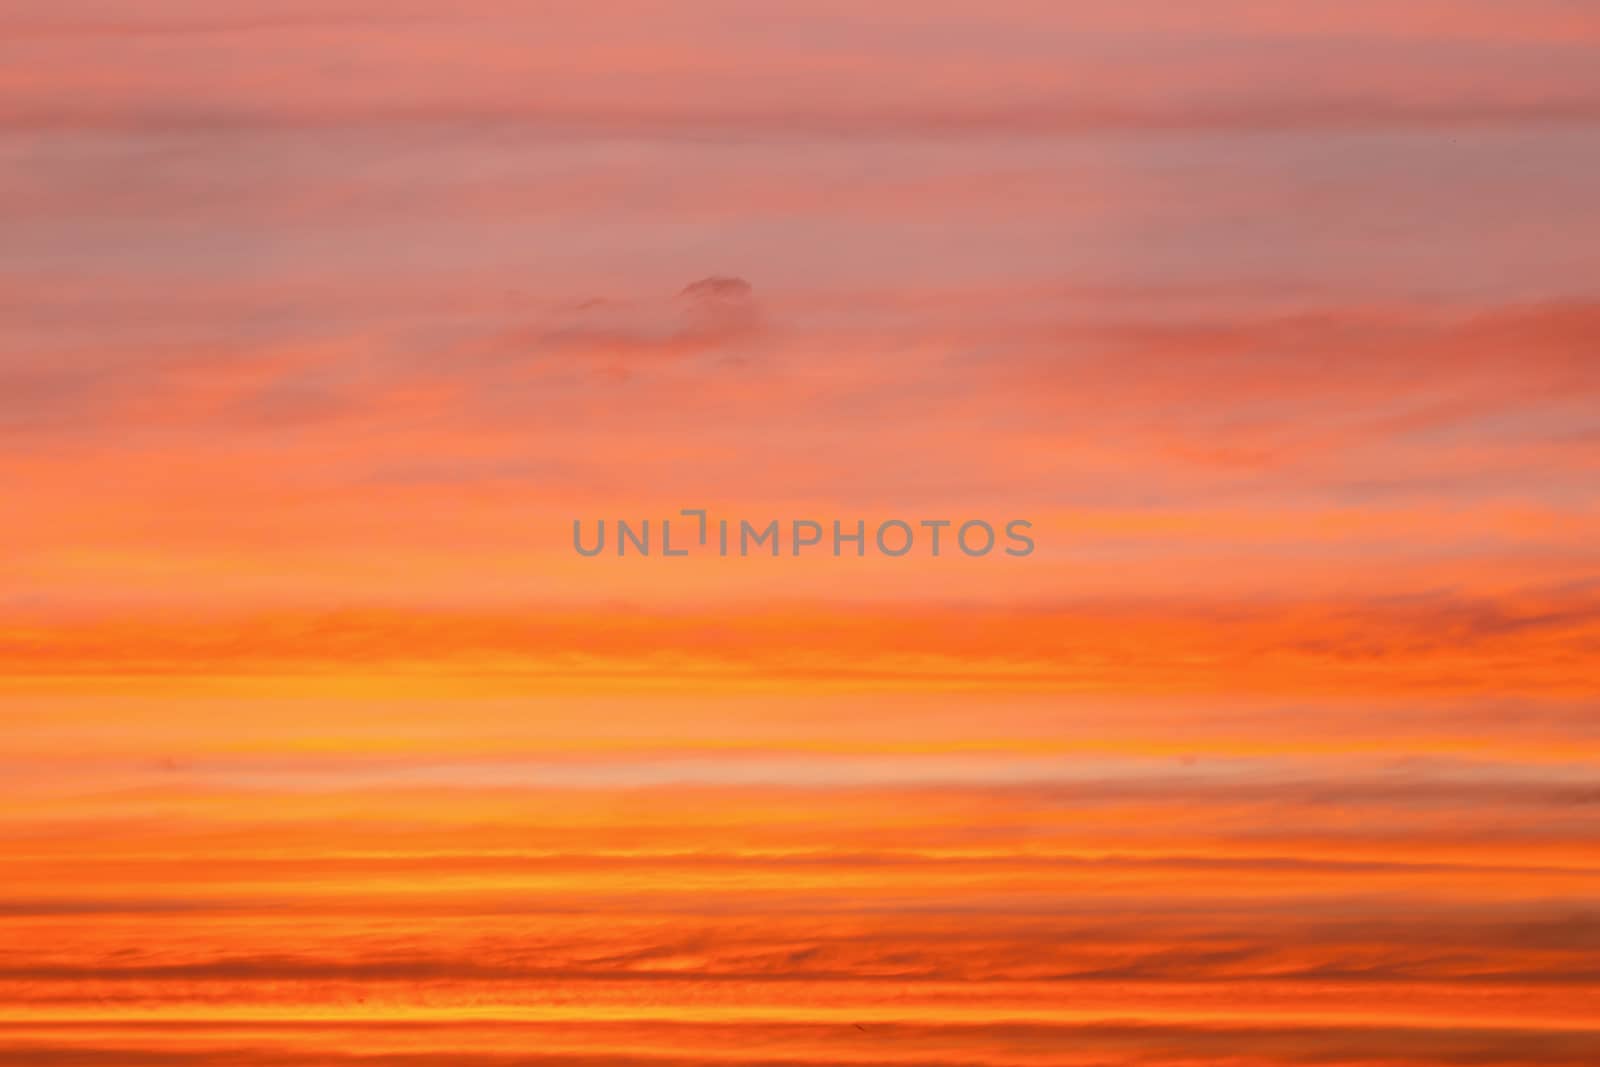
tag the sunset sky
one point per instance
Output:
(321, 322)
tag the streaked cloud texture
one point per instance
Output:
(321, 322)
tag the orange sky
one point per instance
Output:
(320, 323)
